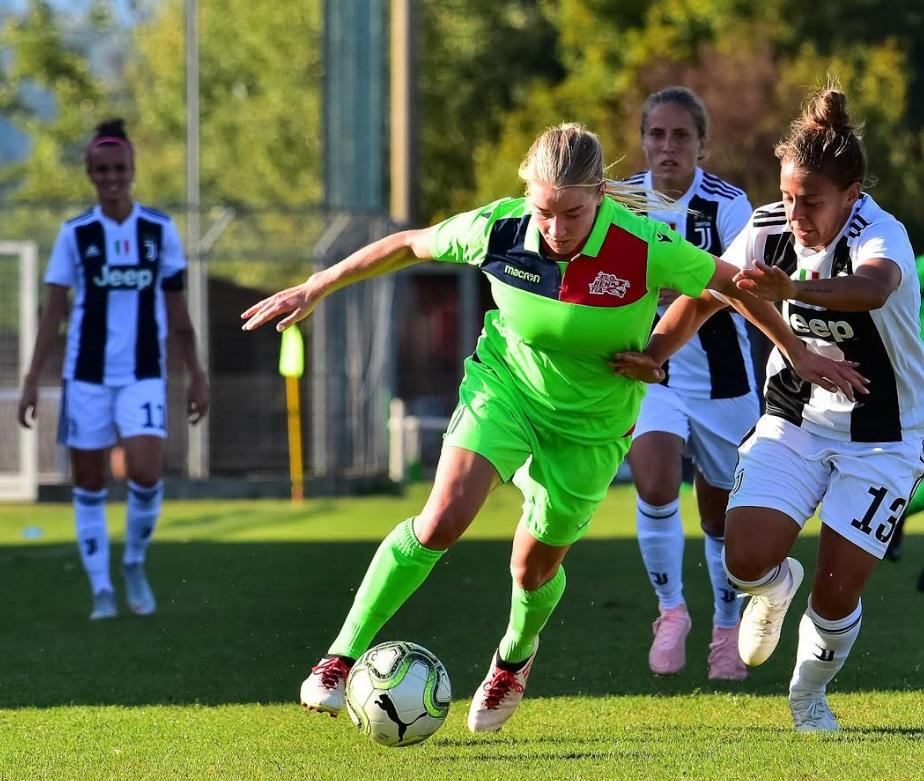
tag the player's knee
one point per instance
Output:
(531, 576)
(442, 528)
(654, 493)
(745, 565)
(89, 481)
(144, 477)
(89, 477)
(749, 556)
(714, 527)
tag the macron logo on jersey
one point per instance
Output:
(608, 285)
(124, 278)
(836, 330)
(521, 274)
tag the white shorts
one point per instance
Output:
(862, 487)
(712, 429)
(94, 416)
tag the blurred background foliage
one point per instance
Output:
(492, 73)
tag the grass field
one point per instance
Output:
(250, 594)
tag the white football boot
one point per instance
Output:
(759, 631)
(138, 592)
(810, 712)
(498, 696)
(104, 606)
(324, 690)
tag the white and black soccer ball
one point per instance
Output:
(398, 694)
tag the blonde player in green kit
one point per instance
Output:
(575, 275)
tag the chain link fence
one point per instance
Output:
(350, 365)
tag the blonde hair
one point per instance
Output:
(569, 155)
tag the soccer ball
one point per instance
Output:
(398, 694)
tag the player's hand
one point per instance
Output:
(666, 296)
(829, 374)
(295, 302)
(28, 402)
(770, 283)
(636, 366)
(197, 397)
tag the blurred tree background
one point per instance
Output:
(492, 73)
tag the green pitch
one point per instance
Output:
(250, 593)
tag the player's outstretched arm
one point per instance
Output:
(868, 288)
(678, 325)
(825, 372)
(52, 314)
(384, 256)
(684, 317)
(830, 374)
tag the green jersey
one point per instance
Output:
(920, 262)
(558, 322)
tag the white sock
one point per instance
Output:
(823, 648)
(774, 585)
(143, 509)
(660, 537)
(92, 536)
(726, 610)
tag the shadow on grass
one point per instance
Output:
(915, 733)
(754, 734)
(253, 518)
(241, 623)
(549, 756)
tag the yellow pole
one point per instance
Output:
(295, 439)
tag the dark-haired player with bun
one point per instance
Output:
(844, 272)
(125, 263)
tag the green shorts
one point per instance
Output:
(562, 481)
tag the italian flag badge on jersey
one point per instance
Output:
(805, 273)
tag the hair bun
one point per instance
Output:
(112, 127)
(823, 140)
(827, 110)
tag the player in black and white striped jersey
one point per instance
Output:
(707, 401)
(125, 263)
(844, 271)
(876, 339)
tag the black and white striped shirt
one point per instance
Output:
(715, 363)
(118, 326)
(885, 342)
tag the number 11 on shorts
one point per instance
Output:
(151, 412)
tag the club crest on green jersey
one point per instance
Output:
(605, 284)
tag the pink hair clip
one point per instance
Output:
(109, 140)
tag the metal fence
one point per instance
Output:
(350, 360)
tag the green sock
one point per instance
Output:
(529, 611)
(398, 568)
